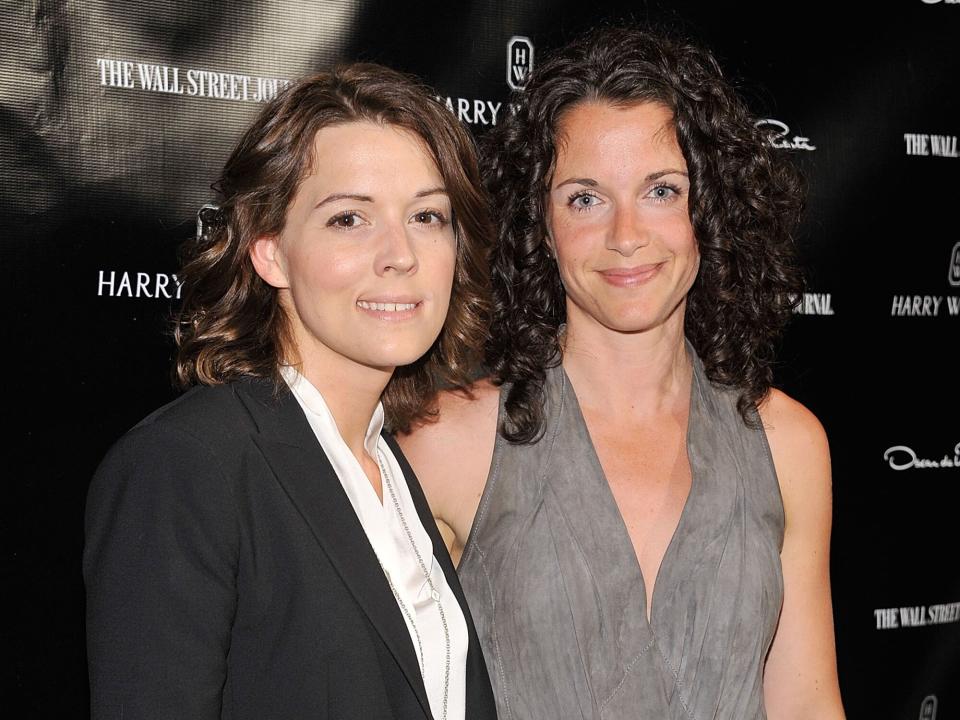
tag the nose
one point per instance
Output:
(396, 252)
(628, 232)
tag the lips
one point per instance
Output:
(391, 308)
(387, 306)
(632, 276)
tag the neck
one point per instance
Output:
(351, 392)
(637, 374)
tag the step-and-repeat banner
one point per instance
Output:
(115, 118)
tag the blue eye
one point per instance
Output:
(664, 192)
(583, 200)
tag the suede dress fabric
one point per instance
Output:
(558, 597)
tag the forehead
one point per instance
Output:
(364, 146)
(603, 131)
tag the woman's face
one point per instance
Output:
(365, 261)
(618, 218)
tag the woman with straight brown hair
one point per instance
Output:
(259, 548)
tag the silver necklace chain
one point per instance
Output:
(434, 593)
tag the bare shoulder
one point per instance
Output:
(791, 426)
(451, 453)
(801, 452)
(464, 420)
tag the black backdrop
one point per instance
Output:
(116, 116)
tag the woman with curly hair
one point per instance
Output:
(642, 520)
(258, 548)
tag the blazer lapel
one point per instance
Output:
(303, 470)
(479, 695)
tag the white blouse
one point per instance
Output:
(433, 616)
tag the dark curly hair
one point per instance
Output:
(745, 201)
(231, 323)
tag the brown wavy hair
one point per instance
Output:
(231, 324)
(745, 201)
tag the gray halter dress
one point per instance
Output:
(556, 591)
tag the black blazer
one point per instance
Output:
(228, 576)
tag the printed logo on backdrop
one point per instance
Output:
(917, 616)
(814, 304)
(901, 457)
(953, 274)
(778, 136)
(928, 708)
(192, 82)
(932, 305)
(472, 111)
(519, 61)
(123, 284)
(931, 145)
(157, 286)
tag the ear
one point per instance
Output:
(548, 236)
(548, 243)
(267, 260)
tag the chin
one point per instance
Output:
(633, 319)
(626, 328)
(627, 320)
(397, 356)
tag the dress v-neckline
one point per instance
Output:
(624, 538)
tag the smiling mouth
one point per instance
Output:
(626, 277)
(386, 307)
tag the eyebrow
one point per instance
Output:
(590, 182)
(432, 191)
(343, 196)
(367, 198)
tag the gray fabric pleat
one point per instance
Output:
(557, 594)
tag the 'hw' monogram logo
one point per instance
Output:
(519, 61)
(955, 265)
